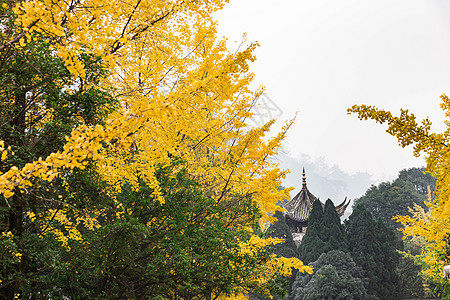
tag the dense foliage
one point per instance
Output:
(125, 168)
(390, 199)
(336, 276)
(129, 255)
(325, 232)
(37, 112)
(334, 231)
(422, 181)
(312, 245)
(279, 229)
(373, 246)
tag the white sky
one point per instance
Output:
(321, 57)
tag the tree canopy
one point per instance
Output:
(279, 229)
(336, 276)
(390, 199)
(419, 178)
(398, 197)
(122, 142)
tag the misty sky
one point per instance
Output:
(321, 57)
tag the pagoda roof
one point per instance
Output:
(300, 206)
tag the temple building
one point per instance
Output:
(298, 210)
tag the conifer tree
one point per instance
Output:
(312, 245)
(432, 227)
(373, 247)
(333, 230)
(325, 232)
(279, 229)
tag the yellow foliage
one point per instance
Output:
(9, 248)
(182, 93)
(58, 222)
(432, 228)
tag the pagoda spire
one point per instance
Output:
(304, 179)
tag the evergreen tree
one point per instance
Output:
(312, 244)
(333, 230)
(389, 199)
(336, 276)
(325, 232)
(373, 247)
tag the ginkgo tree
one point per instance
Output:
(431, 228)
(107, 106)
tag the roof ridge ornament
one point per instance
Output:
(304, 179)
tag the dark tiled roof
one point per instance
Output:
(300, 206)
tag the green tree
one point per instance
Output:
(336, 276)
(325, 232)
(92, 115)
(287, 249)
(419, 179)
(373, 246)
(411, 284)
(389, 199)
(333, 230)
(312, 245)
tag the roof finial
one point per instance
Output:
(304, 179)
